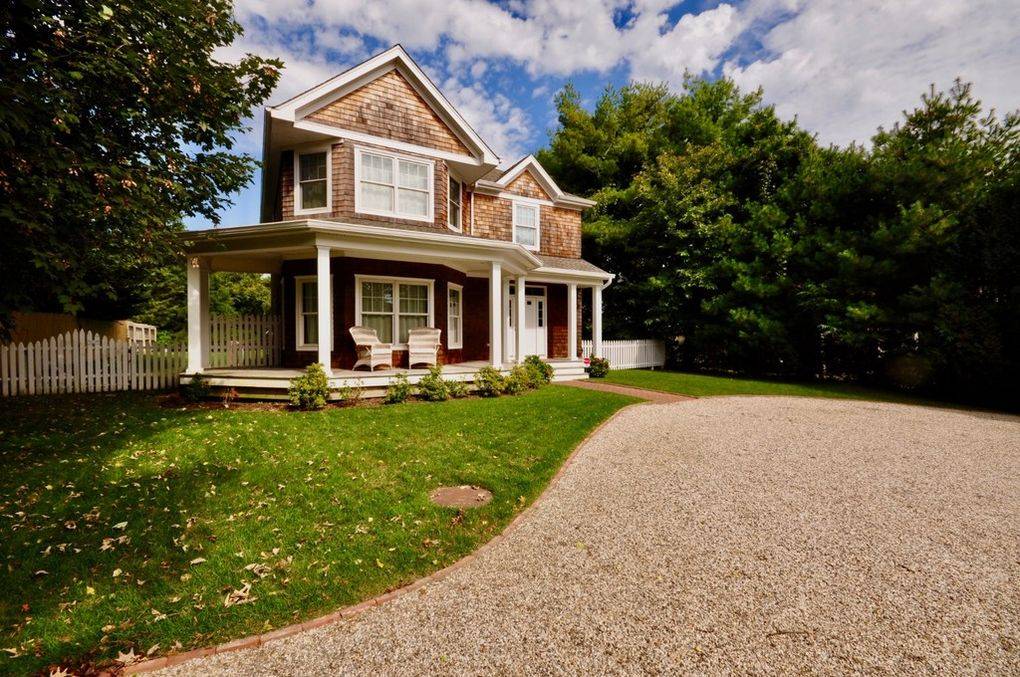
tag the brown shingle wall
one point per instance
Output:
(561, 232)
(526, 185)
(389, 107)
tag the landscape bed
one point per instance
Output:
(128, 526)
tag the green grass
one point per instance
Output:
(703, 385)
(109, 505)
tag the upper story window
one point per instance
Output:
(392, 185)
(453, 210)
(526, 225)
(312, 181)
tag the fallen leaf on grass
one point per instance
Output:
(242, 596)
(120, 525)
(198, 560)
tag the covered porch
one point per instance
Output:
(493, 302)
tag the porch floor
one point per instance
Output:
(272, 382)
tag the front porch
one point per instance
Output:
(493, 302)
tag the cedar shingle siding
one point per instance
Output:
(389, 107)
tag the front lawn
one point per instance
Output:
(703, 385)
(127, 526)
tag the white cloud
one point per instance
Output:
(494, 117)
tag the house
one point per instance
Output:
(382, 207)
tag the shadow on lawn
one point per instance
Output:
(96, 507)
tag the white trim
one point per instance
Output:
(396, 282)
(525, 202)
(510, 322)
(521, 198)
(459, 228)
(393, 144)
(299, 326)
(369, 70)
(397, 159)
(460, 318)
(298, 197)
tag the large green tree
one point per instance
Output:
(734, 231)
(116, 122)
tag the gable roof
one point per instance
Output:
(307, 102)
(498, 180)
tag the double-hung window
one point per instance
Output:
(306, 304)
(454, 316)
(394, 306)
(311, 181)
(391, 185)
(454, 208)
(526, 224)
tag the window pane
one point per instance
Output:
(376, 168)
(414, 175)
(313, 166)
(455, 215)
(526, 215)
(526, 236)
(454, 191)
(377, 198)
(376, 297)
(313, 194)
(309, 296)
(455, 302)
(414, 298)
(414, 202)
(455, 331)
(311, 327)
(383, 325)
(408, 322)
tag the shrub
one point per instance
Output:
(398, 391)
(519, 380)
(195, 390)
(432, 387)
(541, 371)
(310, 390)
(598, 367)
(489, 382)
(350, 395)
(458, 389)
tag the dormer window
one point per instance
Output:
(312, 172)
(393, 185)
(526, 224)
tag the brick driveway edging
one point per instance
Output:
(346, 612)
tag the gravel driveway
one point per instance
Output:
(726, 535)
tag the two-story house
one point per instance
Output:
(383, 208)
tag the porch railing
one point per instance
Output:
(637, 354)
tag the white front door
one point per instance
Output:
(535, 320)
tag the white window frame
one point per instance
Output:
(299, 325)
(396, 213)
(536, 205)
(459, 227)
(449, 317)
(298, 198)
(396, 282)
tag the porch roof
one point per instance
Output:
(261, 247)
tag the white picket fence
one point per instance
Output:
(83, 362)
(245, 341)
(637, 354)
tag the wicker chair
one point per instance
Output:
(371, 352)
(423, 346)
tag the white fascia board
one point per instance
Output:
(295, 108)
(341, 133)
(544, 274)
(543, 176)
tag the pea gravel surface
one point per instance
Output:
(738, 534)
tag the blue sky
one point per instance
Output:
(842, 68)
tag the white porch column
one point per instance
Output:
(325, 308)
(596, 321)
(496, 314)
(519, 304)
(572, 321)
(198, 315)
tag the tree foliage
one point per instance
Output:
(117, 121)
(764, 253)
